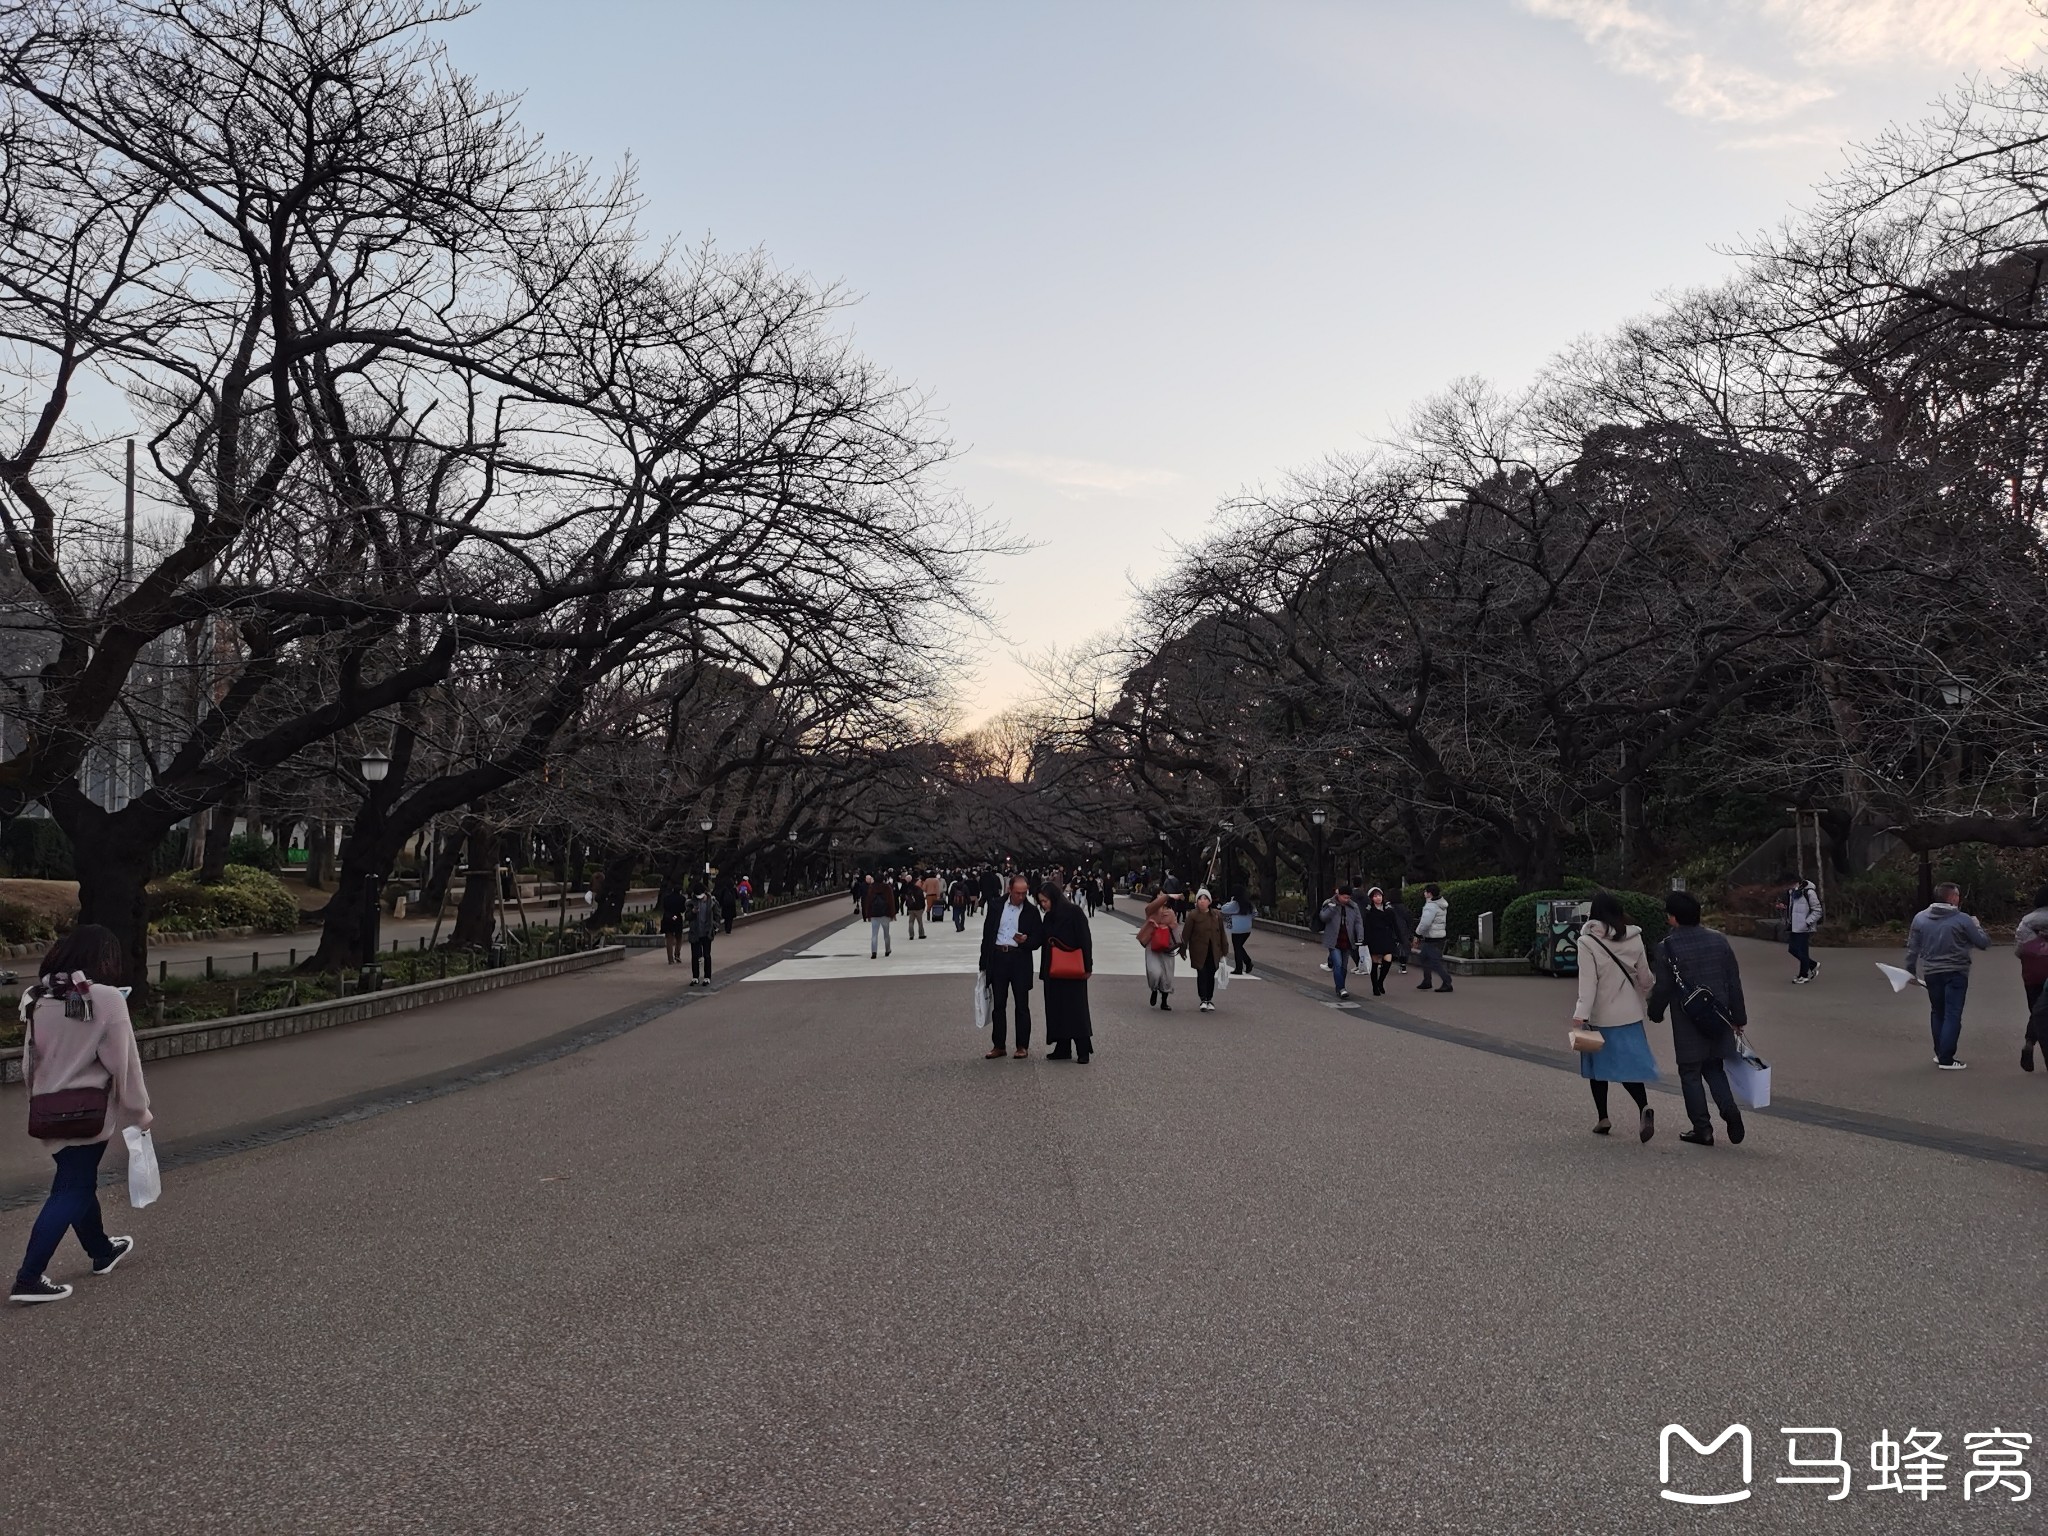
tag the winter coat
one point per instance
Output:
(1607, 989)
(1030, 933)
(1802, 907)
(1067, 926)
(1381, 928)
(880, 900)
(60, 1053)
(704, 915)
(1203, 938)
(1435, 922)
(1705, 959)
(1341, 925)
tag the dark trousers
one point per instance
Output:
(1801, 946)
(700, 954)
(959, 918)
(1011, 977)
(73, 1206)
(1946, 993)
(2036, 1034)
(1696, 1080)
(1433, 962)
(1205, 982)
(1244, 960)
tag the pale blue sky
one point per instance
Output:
(1142, 255)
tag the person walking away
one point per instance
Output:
(744, 889)
(1432, 928)
(1160, 934)
(674, 906)
(879, 908)
(934, 896)
(728, 904)
(78, 1046)
(1011, 930)
(1404, 926)
(704, 921)
(1802, 921)
(1698, 981)
(1614, 983)
(1343, 931)
(859, 892)
(1938, 947)
(1382, 937)
(1068, 1028)
(958, 894)
(2030, 942)
(1240, 910)
(913, 910)
(1205, 942)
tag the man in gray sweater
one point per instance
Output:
(1938, 947)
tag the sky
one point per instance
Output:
(1141, 257)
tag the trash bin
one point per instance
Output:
(1558, 920)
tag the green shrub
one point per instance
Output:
(243, 898)
(252, 851)
(35, 848)
(1518, 921)
(20, 924)
(1468, 898)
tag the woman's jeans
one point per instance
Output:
(74, 1205)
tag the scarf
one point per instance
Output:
(75, 989)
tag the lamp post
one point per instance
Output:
(375, 766)
(1223, 853)
(792, 860)
(704, 826)
(1318, 816)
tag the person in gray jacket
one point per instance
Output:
(1938, 948)
(2030, 939)
(1692, 959)
(1343, 931)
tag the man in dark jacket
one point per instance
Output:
(1012, 929)
(1692, 958)
(878, 906)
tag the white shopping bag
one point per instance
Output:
(145, 1182)
(983, 1006)
(1899, 979)
(1749, 1078)
(1222, 979)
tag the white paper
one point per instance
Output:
(1900, 979)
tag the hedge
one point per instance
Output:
(244, 898)
(1518, 922)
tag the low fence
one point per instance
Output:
(278, 1023)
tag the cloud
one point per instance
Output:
(1083, 477)
(1700, 51)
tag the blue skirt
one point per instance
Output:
(1625, 1058)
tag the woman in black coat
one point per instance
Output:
(1381, 931)
(1067, 1026)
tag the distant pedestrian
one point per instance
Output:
(728, 904)
(1404, 929)
(744, 889)
(704, 923)
(674, 904)
(78, 1059)
(1700, 984)
(959, 893)
(1614, 984)
(1802, 907)
(1382, 937)
(878, 906)
(1068, 942)
(913, 909)
(1343, 931)
(2030, 941)
(1240, 910)
(1432, 928)
(1011, 930)
(1160, 934)
(859, 892)
(1206, 943)
(1938, 948)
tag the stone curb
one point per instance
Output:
(280, 1023)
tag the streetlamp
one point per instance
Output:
(375, 766)
(704, 826)
(792, 858)
(1223, 851)
(1318, 816)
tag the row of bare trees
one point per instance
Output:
(439, 459)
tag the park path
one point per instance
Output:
(792, 1257)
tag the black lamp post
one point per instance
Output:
(375, 766)
(1318, 816)
(704, 826)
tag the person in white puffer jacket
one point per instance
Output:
(1802, 921)
(1431, 929)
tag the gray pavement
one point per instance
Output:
(794, 1258)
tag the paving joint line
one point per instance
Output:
(374, 1102)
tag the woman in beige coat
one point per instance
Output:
(1614, 980)
(79, 1043)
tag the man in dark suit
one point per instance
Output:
(1009, 934)
(1691, 959)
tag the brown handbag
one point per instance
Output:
(70, 1114)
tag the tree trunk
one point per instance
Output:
(219, 829)
(319, 850)
(446, 855)
(112, 854)
(475, 924)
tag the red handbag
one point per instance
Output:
(1066, 964)
(1162, 937)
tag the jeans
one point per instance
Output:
(1946, 991)
(700, 954)
(878, 933)
(74, 1205)
(1010, 977)
(1244, 960)
(1433, 963)
(1339, 958)
(959, 918)
(1694, 1080)
(913, 923)
(1801, 946)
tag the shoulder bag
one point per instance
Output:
(1066, 964)
(1701, 1007)
(70, 1114)
(1636, 979)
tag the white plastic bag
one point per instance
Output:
(1223, 978)
(1899, 979)
(145, 1181)
(983, 1006)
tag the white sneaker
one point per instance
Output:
(1953, 1066)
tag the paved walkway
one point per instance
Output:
(794, 1258)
